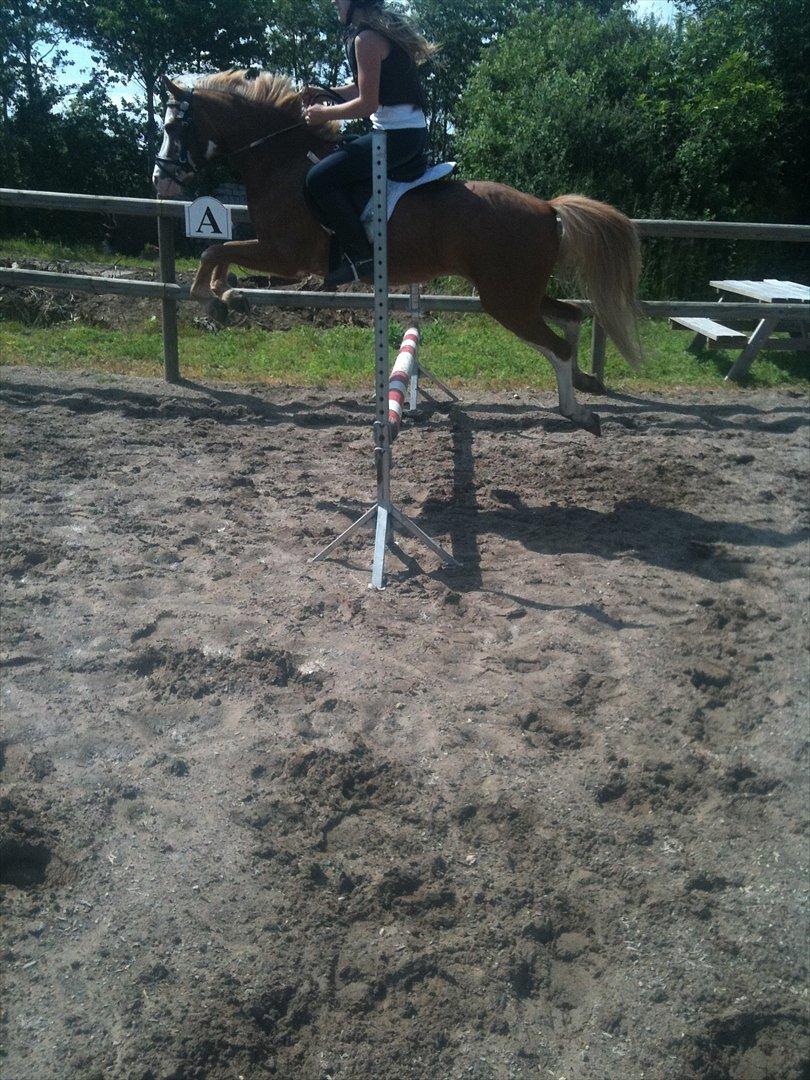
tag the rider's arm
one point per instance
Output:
(371, 49)
(311, 94)
(348, 92)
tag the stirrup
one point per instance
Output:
(348, 271)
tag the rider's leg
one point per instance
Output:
(327, 184)
(326, 189)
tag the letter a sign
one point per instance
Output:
(208, 219)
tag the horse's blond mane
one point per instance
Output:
(276, 92)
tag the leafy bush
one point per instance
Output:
(664, 122)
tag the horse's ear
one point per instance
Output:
(179, 93)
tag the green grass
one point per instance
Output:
(56, 251)
(471, 350)
(461, 349)
(23, 247)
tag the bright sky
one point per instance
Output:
(81, 64)
(663, 10)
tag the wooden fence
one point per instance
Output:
(169, 293)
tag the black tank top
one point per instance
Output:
(399, 79)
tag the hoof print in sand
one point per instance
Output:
(29, 852)
(751, 1045)
(194, 674)
(557, 735)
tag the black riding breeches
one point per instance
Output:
(327, 183)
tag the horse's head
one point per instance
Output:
(185, 145)
(230, 115)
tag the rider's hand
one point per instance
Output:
(316, 114)
(311, 94)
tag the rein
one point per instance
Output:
(171, 167)
(264, 139)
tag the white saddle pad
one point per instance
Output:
(397, 188)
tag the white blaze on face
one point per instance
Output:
(165, 187)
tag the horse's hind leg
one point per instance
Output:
(571, 318)
(212, 275)
(201, 286)
(522, 319)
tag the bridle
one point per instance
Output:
(183, 165)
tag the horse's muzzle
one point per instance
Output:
(165, 187)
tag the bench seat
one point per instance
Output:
(715, 333)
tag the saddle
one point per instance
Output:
(401, 180)
(360, 196)
(404, 174)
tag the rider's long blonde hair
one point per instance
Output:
(397, 27)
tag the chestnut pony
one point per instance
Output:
(504, 241)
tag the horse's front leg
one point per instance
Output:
(202, 286)
(211, 279)
(250, 254)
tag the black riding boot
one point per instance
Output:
(357, 262)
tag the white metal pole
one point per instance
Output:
(382, 440)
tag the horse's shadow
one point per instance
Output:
(662, 536)
(633, 531)
(229, 406)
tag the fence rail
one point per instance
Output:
(164, 208)
(159, 290)
(170, 293)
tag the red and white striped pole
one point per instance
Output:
(401, 374)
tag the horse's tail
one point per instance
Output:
(601, 247)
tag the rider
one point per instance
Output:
(383, 49)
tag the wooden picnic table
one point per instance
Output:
(769, 291)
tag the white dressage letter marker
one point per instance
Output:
(208, 219)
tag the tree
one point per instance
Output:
(662, 122)
(101, 147)
(465, 32)
(157, 37)
(461, 30)
(572, 101)
(727, 143)
(52, 139)
(775, 37)
(30, 60)
(303, 41)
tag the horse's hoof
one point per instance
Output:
(216, 311)
(236, 301)
(592, 423)
(588, 421)
(589, 384)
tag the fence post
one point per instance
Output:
(598, 340)
(171, 357)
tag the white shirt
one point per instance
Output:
(390, 117)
